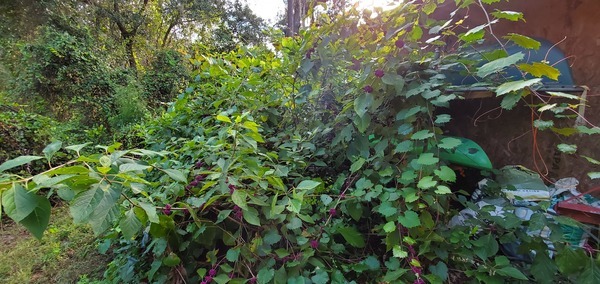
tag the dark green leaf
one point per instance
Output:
(427, 159)
(362, 103)
(511, 272)
(176, 175)
(446, 174)
(37, 221)
(265, 275)
(51, 149)
(130, 225)
(352, 236)
(19, 203)
(308, 185)
(515, 86)
(18, 162)
(499, 64)
(543, 268)
(251, 216)
(440, 270)
(410, 219)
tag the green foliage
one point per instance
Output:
(316, 162)
(166, 77)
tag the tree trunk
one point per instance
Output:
(290, 18)
(130, 54)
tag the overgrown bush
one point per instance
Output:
(316, 163)
(165, 78)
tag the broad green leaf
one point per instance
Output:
(352, 236)
(362, 103)
(442, 118)
(77, 148)
(510, 100)
(499, 64)
(387, 209)
(416, 33)
(90, 203)
(399, 252)
(357, 165)
(427, 159)
(326, 199)
(543, 268)
(486, 246)
(19, 203)
(171, 260)
(426, 182)
(588, 130)
(523, 41)
(571, 260)
(508, 15)
(130, 225)
(539, 69)
(404, 146)
(422, 135)
(150, 211)
(543, 124)
(321, 276)
(446, 174)
(515, 86)
(132, 167)
(265, 275)
(177, 175)
(449, 143)
(567, 148)
(591, 274)
(473, 34)
(389, 227)
(18, 162)
(239, 198)
(511, 272)
(51, 149)
(409, 219)
(391, 79)
(223, 118)
(440, 270)
(251, 216)
(442, 189)
(37, 222)
(233, 254)
(307, 185)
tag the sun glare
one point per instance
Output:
(384, 4)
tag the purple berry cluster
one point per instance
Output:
(209, 278)
(232, 188)
(379, 73)
(314, 243)
(368, 89)
(167, 209)
(415, 269)
(237, 213)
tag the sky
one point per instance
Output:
(268, 9)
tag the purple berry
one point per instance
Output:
(252, 280)
(314, 244)
(212, 272)
(193, 183)
(231, 188)
(379, 73)
(332, 211)
(368, 89)
(199, 164)
(419, 281)
(208, 279)
(399, 43)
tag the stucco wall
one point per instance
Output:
(507, 135)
